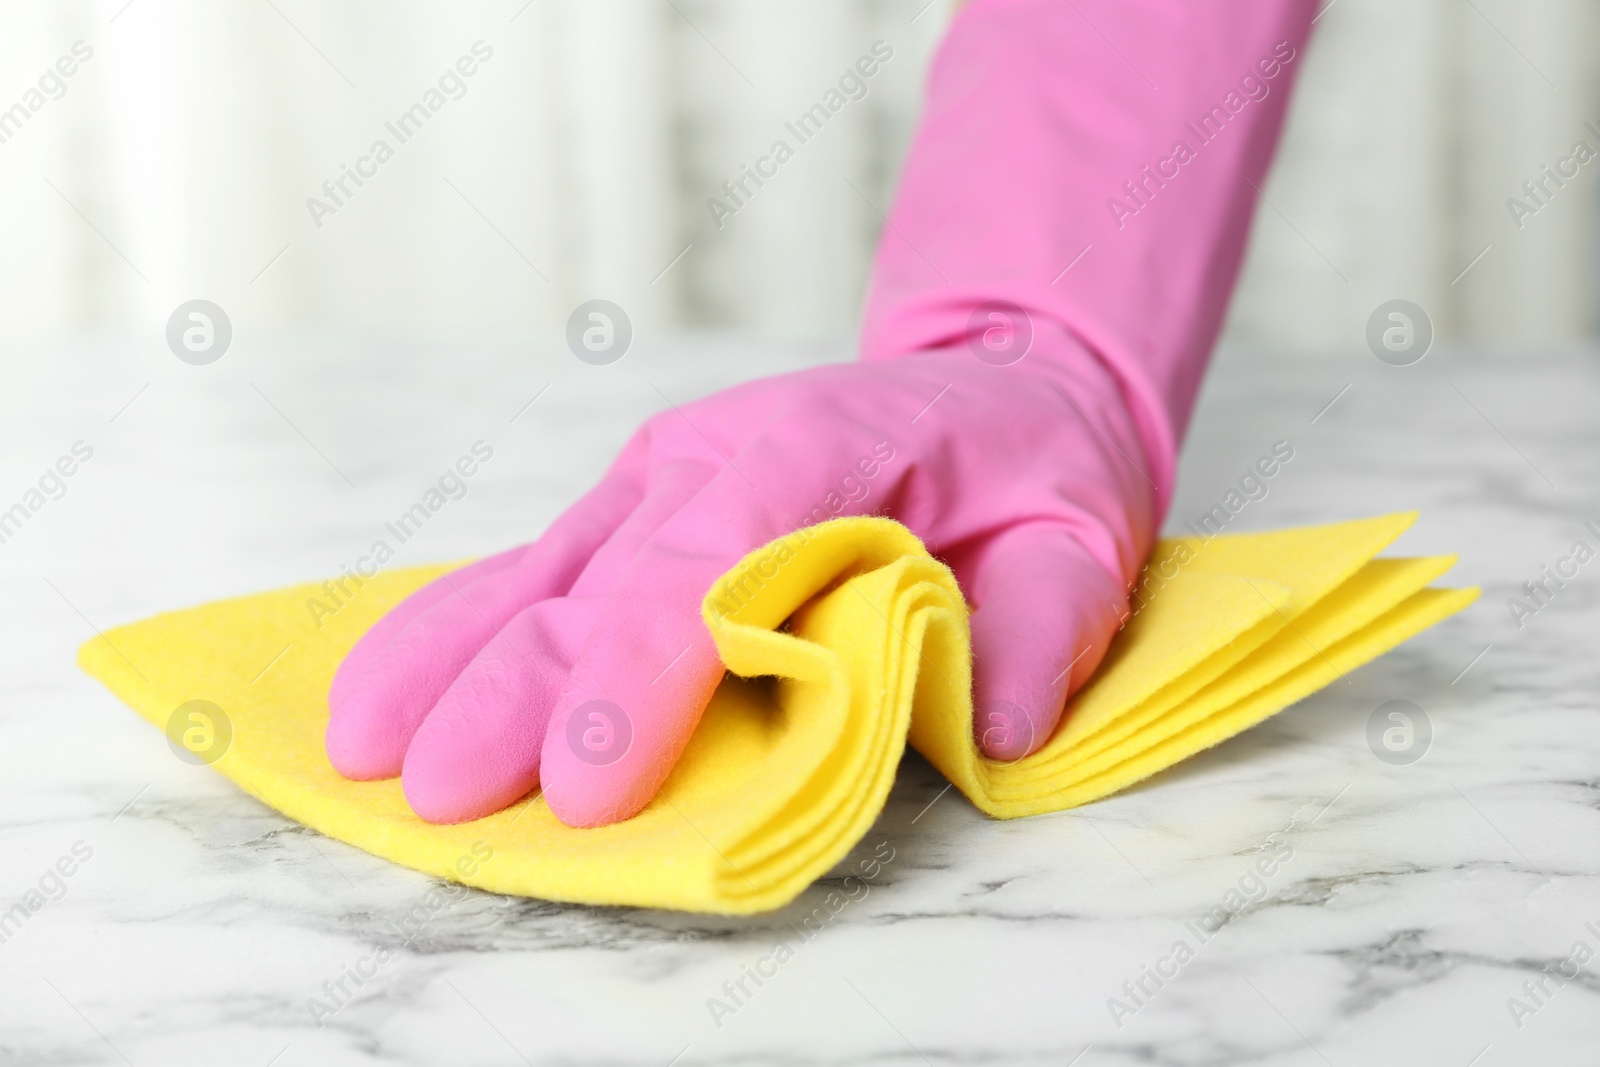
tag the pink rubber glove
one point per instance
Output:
(1030, 443)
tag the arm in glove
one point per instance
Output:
(1017, 405)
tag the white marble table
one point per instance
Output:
(1415, 903)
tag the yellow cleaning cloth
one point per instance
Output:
(842, 641)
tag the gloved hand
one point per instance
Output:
(1049, 171)
(1027, 478)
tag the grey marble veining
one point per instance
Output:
(1409, 910)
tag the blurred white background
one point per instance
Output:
(179, 158)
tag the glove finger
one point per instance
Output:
(478, 750)
(672, 485)
(1046, 612)
(402, 614)
(379, 697)
(649, 666)
(625, 469)
(687, 463)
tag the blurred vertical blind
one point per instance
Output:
(561, 150)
